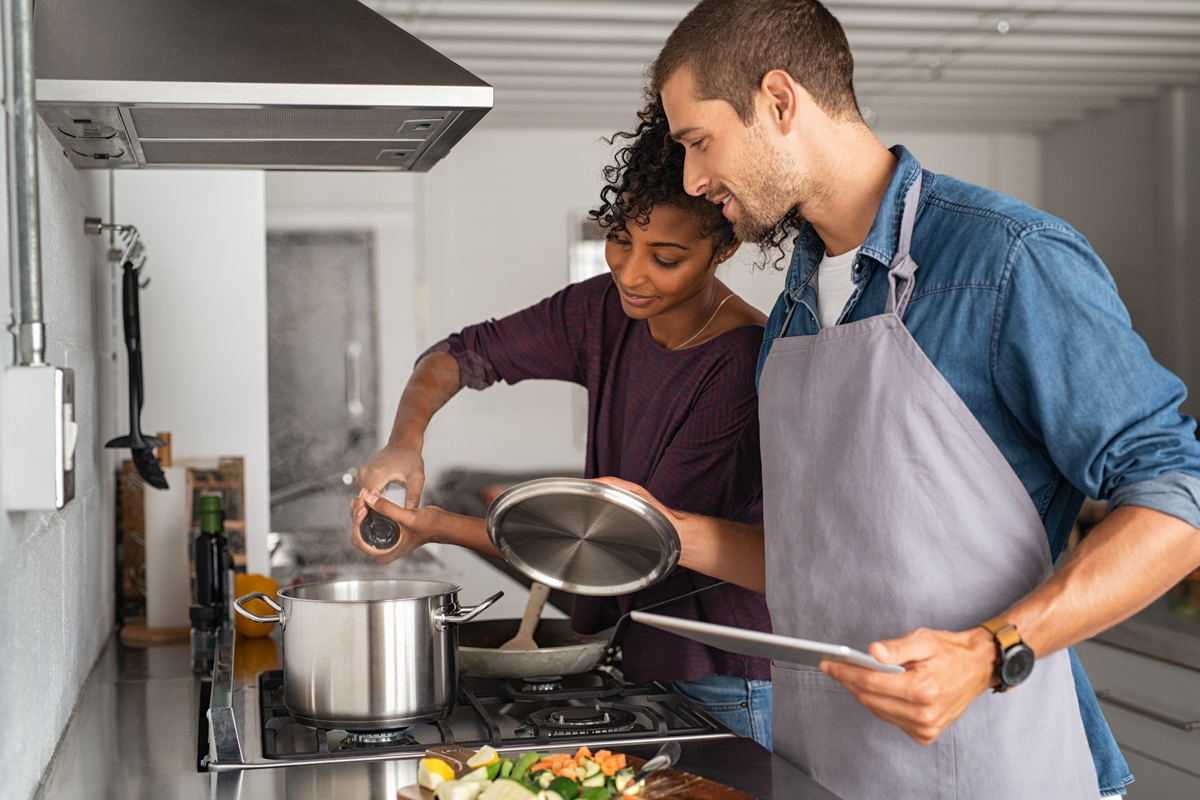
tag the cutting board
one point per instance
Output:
(666, 783)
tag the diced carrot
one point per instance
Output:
(620, 757)
(583, 752)
(609, 767)
(602, 754)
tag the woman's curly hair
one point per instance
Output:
(649, 171)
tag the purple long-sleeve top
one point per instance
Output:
(683, 424)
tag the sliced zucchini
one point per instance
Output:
(480, 774)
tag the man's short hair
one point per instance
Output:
(729, 45)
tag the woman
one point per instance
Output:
(668, 354)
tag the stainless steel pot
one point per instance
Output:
(366, 655)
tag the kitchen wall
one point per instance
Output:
(1129, 181)
(1007, 162)
(56, 568)
(204, 320)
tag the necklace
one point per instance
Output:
(702, 329)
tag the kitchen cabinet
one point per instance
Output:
(1149, 704)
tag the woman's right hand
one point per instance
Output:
(395, 464)
(417, 526)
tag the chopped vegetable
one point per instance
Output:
(433, 771)
(505, 789)
(565, 787)
(560, 776)
(522, 768)
(458, 790)
(486, 755)
(480, 774)
(623, 779)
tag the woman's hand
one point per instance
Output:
(395, 464)
(731, 551)
(417, 526)
(676, 517)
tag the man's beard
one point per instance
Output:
(772, 190)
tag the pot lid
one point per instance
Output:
(583, 537)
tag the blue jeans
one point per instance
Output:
(742, 706)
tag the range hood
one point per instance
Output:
(254, 84)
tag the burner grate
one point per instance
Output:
(582, 720)
(596, 708)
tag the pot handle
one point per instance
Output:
(277, 617)
(443, 619)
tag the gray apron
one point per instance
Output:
(889, 508)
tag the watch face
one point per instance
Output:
(1018, 664)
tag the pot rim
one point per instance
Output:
(288, 592)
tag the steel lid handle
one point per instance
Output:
(276, 617)
(443, 618)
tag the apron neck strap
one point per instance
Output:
(902, 268)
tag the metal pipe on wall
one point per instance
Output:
(31, 338)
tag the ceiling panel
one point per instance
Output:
(1021, 65)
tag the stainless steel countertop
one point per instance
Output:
(134, 735)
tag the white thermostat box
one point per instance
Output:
(38, 434)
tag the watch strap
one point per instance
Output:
(1004, 632)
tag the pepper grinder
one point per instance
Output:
(378, 531)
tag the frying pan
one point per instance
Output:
(561, 651)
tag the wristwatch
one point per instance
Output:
(1014, 658)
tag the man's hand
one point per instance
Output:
(945, 673)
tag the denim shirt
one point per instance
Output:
(1023, 319)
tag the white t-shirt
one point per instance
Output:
(835, 284)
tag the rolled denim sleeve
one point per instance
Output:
(1175, 493)
(1077, 378)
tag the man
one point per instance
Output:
(946, 375)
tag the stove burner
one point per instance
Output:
(580, 720)
(358, 740)
(551, 683)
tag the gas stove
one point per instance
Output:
(248, 726)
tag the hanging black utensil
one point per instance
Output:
(141, 447)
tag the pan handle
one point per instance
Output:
(276, 617)
(444, 618)
(622, 626)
